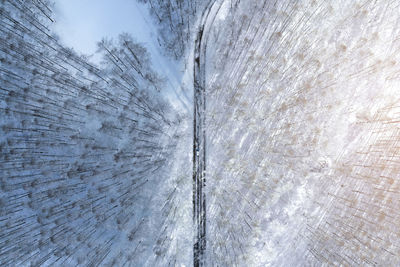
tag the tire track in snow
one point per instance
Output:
(199, 134)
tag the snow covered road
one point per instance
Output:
(199, 133)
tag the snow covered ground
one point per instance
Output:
(82, 24)
(301, 132)
(93, 157)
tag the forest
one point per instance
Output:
(279, 147)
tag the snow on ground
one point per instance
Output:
(302, 142)
(108, 19)
(94, 164)
(81, 24)
(302, 134)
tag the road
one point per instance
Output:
(199, 136)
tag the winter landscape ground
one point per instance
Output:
(223, 133)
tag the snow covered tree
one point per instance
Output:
(302, 126)
(85, 149)
(176, 20)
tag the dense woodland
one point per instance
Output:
(303, 134)
(176, 20)
(84, 148)
(299, 138)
